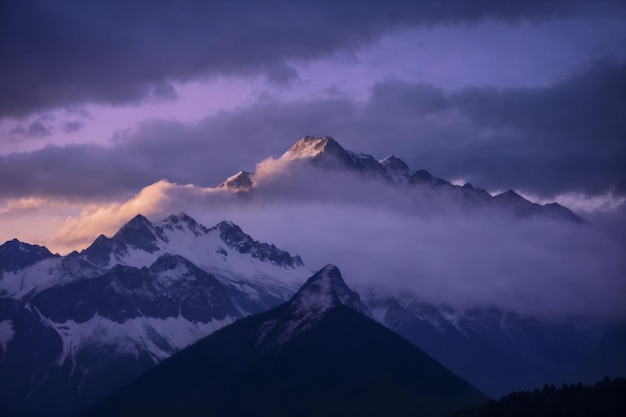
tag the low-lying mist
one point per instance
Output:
(535, 267)
(404, 238)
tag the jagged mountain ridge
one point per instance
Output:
(76, 327)
(503, 351)
(327, 154)
(340, 363)
(260, 270)
(16, 255)
(139, 233)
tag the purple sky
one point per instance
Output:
(101, 100)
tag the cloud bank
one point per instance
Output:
(114, 52)
(401, 241)
(560, 139)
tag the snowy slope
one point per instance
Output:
(241, 181)
(264, 274)
(81, 325)
(46, 273)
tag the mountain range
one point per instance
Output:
(75, 328)
(316, 354)
(327, 155)
(78, 326)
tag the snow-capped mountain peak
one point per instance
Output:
(311, 147)
(139, 243)
(323, 292)
(128, 302)
(241, 181)
(265, 273)
(394, 164)
(235, 238)
(182, 222)
(327, 153)
(140, 233)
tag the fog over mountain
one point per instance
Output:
(416, 237)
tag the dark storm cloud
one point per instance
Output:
(400, 99)
(67, 52)
(569, 137)
(204, 154)
(71, 171)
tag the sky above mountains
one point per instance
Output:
(102, 99)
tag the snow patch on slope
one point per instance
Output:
(210, 253)
(159, 337)
(35, 278)
(321, 293)
(6, 335)
(307, 147)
